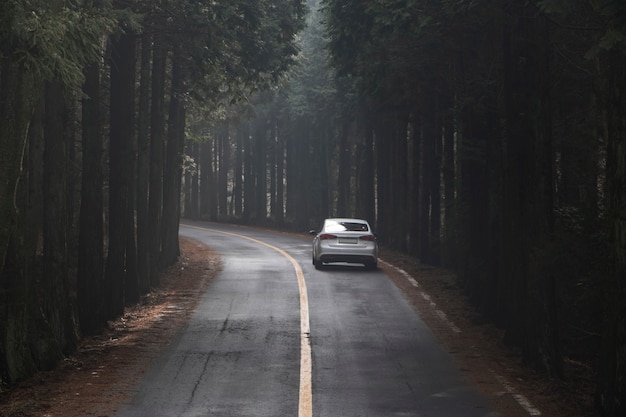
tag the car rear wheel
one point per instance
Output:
(318, 264)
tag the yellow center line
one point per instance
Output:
(305, 402)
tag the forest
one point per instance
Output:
(487, 137)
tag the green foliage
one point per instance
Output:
(53, 44)
(557, 6)
(237, 47)
(394, 48)
(612, 39)
(236, 50)
(311, 91)
(609, 15)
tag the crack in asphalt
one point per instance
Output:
(209, 356)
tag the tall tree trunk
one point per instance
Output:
(320, 199)
(57, 304)
(18, 94)
(435, 197)
(27, 340)
(73, 177)
(429, 191)
(249, 189)
(272, 162)
(206, 173)
(213, 180)
(365, 198)
(238, 172)
(157, 141)
(260, 172)
(91, 229)
(399, 171)
(43, 346)
(344, 168)
(611, 391)
(298, 186)
(473, 203)
(173, 165)
(449, 195)
(131, 281)
(429, 133)
(529, 156)
(121, 134)
(383, 175)
(280, 178)
(144, 266)
(194, 186)
(223, 144)
(290, 174)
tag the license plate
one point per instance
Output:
(349, 240)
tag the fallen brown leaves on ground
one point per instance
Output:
(103, 372)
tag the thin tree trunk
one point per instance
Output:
(383, 176)
(91, 228)
(194, 202)
(365, 198)
(157, 141)
(206, 175)
(173, 163)
(415, 185)
(428, 176)
(343, 176)
(238, 172)
(249, 199)
(213, 179)
(449, 175)
(260, 172)
(272, 157)
(223, 144)
(131, 282)
(144, 265)
(280, 178)
(399, 171)
(611, 390)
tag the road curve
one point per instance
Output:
(244, 350)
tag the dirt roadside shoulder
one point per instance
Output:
(103, 372)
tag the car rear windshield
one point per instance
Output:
(346, 227)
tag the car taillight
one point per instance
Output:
(326, 236)
(370, 238)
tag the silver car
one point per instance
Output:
(345, 240)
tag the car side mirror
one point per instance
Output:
(313, 232)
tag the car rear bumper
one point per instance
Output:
(355, 259)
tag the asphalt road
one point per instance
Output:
(275, 337)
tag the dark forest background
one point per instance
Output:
(484, 136)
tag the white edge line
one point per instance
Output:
(519, 398)
(453, 327)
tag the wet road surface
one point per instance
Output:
(242, 352)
